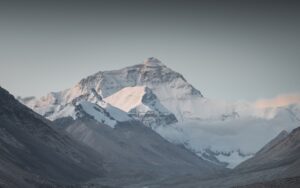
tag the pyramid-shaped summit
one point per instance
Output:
(171, 89)
(153, 62)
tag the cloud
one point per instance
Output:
(245, 134)
(279, 101)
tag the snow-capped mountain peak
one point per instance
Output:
(151, 73)
(163, 99)
(153, 62)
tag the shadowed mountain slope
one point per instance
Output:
(32, 151)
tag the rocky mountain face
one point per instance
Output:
(34, 154)
(135, 153)
(282, 152)
(292, 182)
(162, 99)
(282, 135)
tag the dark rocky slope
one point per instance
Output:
(135, 153)
(33, 153)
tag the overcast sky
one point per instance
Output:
(228, 50)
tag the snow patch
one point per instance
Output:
(127, 98)
(98, 113)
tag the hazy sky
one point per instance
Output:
(226, 49)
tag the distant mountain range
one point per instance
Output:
(160, 98)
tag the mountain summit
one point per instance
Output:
(168, 86)
(153, 62)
